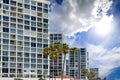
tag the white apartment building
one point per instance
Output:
(23, 35)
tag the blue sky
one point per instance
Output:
(86, 26)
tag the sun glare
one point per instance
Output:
(104, 27)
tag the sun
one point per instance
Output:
(104, 27)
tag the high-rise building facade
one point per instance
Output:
(77, 62)
(56, 66)
(23, 35)
(96, 71)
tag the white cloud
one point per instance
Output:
(73, 16)
(103, 58)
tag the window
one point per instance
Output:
(12, 42)
(5, 41)
(27, 17)
(13, 9)
(45, 6)
(5, 24)
(27, 6)
(45, 40)
(26, 44)
(39, 66)
(19, 42)
(20, 5)
(33, 29)
(33, 39)
(6, 12)
(20, 21)
(33, 65)
(26, 49)
(5, 30)
(19, 54)
(5, 18)
(26, 38)
(13, 3)
(12, 65)
(13, 14)
(26, 1)
(12, 25)
(39, 45)
(20, 26)
(33, 18)
(12, 31)
(39, 9)
(39, 39)
(5, 7)
(39, 14)
(5, 64)
(33, 50)
(6, 1)
(20, 37)
(39, 4)
(20, 48)
(45, 30)
(33, 2)
(19, 60)
(5, 58)
(26, 11)
(45, 20)
(12, 54)
(39, 30)
(33, 55)
(5, 53)
(27, 22)
(6, 35)
(12, 70)
(20, 31)
(26, 55)
(33, 44)
(45, 10)
(27, 27)
(33, 60)
(12, 47)
(45, 25)
(33, 23)
(33, 8)
(45, 66)
(0, 5)
(39, 61)
(12, 59)
(13, 19)
(39, 19)
(26, 59)
(20, 16)
(4, 70)
(20, 10)
(39, 50)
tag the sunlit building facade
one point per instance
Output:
(77, 62)
(23, 35)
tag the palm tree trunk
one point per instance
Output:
(63, 66)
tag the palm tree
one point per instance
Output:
(52, 52)
(64, 49)
(97, 78)
(90, 75)
(73, 50)
(56, 48)
(84, 71)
